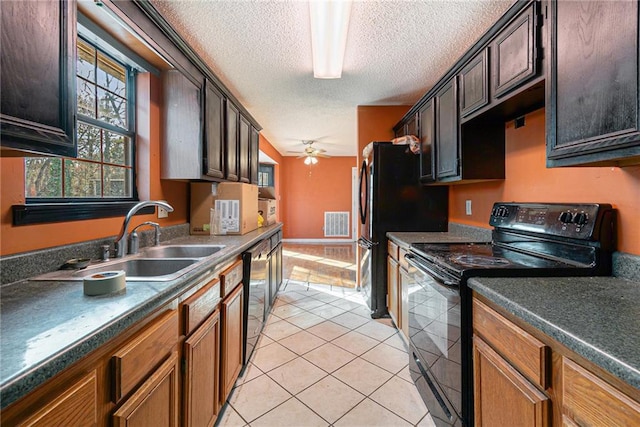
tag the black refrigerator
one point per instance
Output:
(392, 199)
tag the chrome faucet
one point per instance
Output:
(120, 244)
(134, 242)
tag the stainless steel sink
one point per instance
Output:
(180, 251)
(136, 269)
(147, 268)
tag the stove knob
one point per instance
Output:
(580, 218)
(502, 212)
(565, 217)
(494, 212)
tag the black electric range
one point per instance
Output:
(528, 239)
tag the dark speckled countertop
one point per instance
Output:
(456, 233)
(46, 326)
(596, 317)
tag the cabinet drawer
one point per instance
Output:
(585, 397)
(76, 406)
(392, 249)
(136, 359)
(230, 278)
(200, 305)
(155, 403)
(529, 355)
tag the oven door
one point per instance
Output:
(435, 334)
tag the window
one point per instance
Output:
(265, 175)
(104, 168)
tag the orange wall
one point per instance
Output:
(312, 190)
(269, 150)
(31, 237)
(376, 122)
(528, 180)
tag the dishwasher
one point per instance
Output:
(254, 280)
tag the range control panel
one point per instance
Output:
(576, 221)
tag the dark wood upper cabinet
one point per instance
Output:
(447, 132)
(474, 84)
(231, 145)
(182, 145)
(37, 75)
(254, 155)
(243, 150)
(214, 132)
(514, 52)
(593, 83)
(411, 128)
(427, 143)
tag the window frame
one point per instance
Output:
(40, 210)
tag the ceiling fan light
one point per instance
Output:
(329, 28)
(313, 160)
(307, 160)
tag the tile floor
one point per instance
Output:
(321, 359)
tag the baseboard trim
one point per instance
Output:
(318, 240)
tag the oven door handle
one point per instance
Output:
(436, 275)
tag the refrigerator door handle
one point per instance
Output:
(366, 243)
(364, 204)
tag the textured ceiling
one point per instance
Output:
(396, 51)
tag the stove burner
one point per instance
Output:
(480, 260)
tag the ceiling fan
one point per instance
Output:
(310, 153)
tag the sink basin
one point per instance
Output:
(149, 268)
(136, 269)
(180, 251)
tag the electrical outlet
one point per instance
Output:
(467, 206)
(162, 212)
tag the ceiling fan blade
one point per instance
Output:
(323, 155)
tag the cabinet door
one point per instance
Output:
(201, 374)
(502, 396)
(474, 84)
(593, 79)
(447, 132)
(233, 117)
(514, 53)
(232, 340)
(155, 403)
(76, 406)
(427, 143)
(243, 150)
(37, 80)
(214, 131)
(182, 145)
(411, 127)
(254, 155)
(392, 290)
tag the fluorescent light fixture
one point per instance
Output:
(329, 27)
(310, 160)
